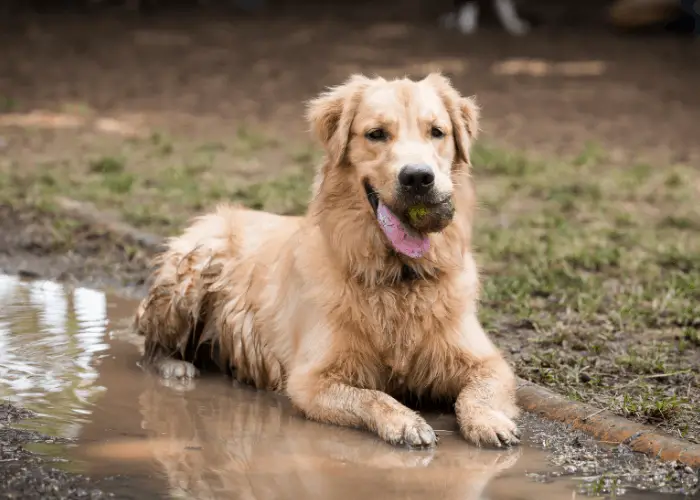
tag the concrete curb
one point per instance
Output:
(605, 426)
(601, 424)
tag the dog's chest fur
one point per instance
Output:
(409, 327)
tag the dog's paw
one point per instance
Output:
(175, 369)
(411, 431)
(488, 427)
(178, 384)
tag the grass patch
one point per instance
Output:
(592, 280)
(591, 274)
(107, 165)
(7, 104)
(287, 194)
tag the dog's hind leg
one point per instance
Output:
(465, 17)
(171, 316)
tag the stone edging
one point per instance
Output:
(605, 426)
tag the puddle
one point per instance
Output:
(66, 353)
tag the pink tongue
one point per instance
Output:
(403, 239)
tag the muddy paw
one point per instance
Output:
(411, 431)
(488, 427)
(176, 369)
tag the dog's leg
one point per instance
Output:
(157, 356)
(169, 315)
(465, 17)
(486, 405)
(170, 368)
(508, 15)
(468, 18)
(326, 400)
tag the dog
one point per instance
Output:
(465, 17)
(369, 298)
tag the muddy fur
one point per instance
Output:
(315, 306)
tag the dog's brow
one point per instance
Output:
(429, 117)
(375, 120)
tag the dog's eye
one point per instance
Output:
(377, 134)
(437, 133)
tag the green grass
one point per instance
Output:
(591, 273)
(595, 270)
(7, 104)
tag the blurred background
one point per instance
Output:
(621, 74)
(224, 81)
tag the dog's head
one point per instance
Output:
(403, 142)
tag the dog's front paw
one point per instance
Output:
(411, 430)
(175, 369)
(484, 426)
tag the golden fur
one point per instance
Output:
(314, 306)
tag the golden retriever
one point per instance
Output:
(370, 297)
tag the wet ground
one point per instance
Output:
(66, 354)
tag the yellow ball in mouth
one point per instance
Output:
(416, 213)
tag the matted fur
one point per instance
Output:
(314, 306)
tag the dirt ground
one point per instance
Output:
(587, 170)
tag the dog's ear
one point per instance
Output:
(331, 115)
(464, 113)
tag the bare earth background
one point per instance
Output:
(587, 172)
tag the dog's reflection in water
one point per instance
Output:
(220, 441)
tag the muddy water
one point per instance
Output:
(67, 354)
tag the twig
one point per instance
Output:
(594, 414)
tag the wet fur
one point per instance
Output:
(314, 306)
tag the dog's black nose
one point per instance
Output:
(418, 179)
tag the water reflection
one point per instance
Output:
(219, 441)
(256, 446)
(50, 338)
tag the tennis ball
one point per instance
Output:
(417, 212)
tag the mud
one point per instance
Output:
(45, 244)
(27, 475)
(96, 425)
